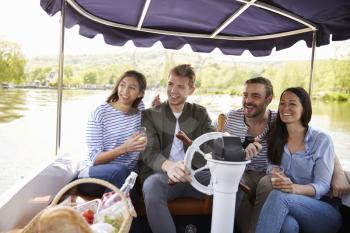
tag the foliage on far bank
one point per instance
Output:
(338, 97)
(224, 75)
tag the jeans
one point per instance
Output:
(113, 173)
(157, 192)
(287, 213)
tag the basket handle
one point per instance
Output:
(104, 183)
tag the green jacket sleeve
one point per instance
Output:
(207, 125)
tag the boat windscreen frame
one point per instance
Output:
(60, 80)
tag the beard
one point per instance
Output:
(255, 111)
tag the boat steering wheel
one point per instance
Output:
(195, 147)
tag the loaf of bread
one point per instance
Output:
(62, 219)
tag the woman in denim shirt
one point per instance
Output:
(307, 158)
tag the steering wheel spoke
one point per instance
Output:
(200, 169)
(195, 148)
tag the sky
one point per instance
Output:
(24, 22)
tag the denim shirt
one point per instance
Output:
(313, 166)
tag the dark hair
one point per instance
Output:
(141, 80)
(184, 70)
(279, 135)
(263, 81)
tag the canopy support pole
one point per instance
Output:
(143, 14)
(60, 80)
(232, 18)
(312, 62)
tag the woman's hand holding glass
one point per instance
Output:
(279, 180)
(137, 142)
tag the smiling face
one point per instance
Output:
(128, 91)
(255, 100)
(178, 89)
(290, 108)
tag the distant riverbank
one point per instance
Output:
(83, 87)
(321, 96)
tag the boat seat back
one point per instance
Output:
(23, 201)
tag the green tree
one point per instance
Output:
(12, 62)
(68, 78)
(39, 74)
(90, 77)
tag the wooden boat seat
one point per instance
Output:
(185, 206)
(191, 206)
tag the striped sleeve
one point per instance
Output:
(109, 128)
(94, 135)
(235, 124)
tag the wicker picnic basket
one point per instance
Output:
(32, 226)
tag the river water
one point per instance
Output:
(28, 125)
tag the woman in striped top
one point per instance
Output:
(113, 138)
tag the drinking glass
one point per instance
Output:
(143, 131)
(273, 170)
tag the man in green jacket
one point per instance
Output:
(162, 161)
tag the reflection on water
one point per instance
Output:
(28, 125)
(337, 115)
(12, 104)
(28, 128)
